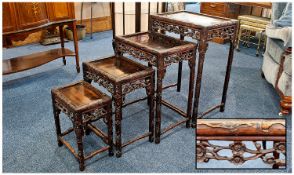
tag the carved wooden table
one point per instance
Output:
(161, 51)
(121, 76)
(23, 63)
(238, 131)
(83, 104)
(203, 28)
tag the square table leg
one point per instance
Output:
(203, 45)
(160, 76)
(228, 73)
(118, 117)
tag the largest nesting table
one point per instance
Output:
(161, 51)
(203, 28)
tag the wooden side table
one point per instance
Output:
(121, 76)
(161, 51)
(22, 63)
(203, 28)
(83, 104)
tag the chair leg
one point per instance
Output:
(286, 105)
(238, 41)
(258, 45)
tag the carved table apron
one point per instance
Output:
(240, 131)
(203, 28)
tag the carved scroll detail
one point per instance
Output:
(123, 48)
(86, 117)
(227, 32)
(177, 57)
(97, 114)
(158, 25)
(65, 110)
(131, 86)
(101, 81)
(207, 151)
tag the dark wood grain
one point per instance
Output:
(121, 76)
(161, 51)
(83, 104)
(254, 131)
(31, 61)
(202, 28)
(23, 63)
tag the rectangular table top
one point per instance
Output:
(196, 20)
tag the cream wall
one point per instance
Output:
(100, 9)
(130, 16)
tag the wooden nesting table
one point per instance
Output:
(161, 51)
(120, 76)
(22, 63)
(203, 28)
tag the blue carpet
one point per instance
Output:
(29, 140)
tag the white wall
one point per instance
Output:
(100, 9)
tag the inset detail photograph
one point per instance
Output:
(244, 143)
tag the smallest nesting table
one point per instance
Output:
(121, 76)
(83, 104)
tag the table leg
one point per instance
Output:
(79, 136)
(75, 37)
(180, 70)
(109, 129)
(56, 113)
(191, 88)
(228, 72)
(61, 34)
(202, 50)
(160, 76)
(153, 81)
(150, 93)
(118, 118)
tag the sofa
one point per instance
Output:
(276, 67)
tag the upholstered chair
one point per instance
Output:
(277, 68)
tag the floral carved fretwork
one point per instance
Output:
(177, 57)
(158, 25)
(137, 53)
(227, 32)
(100, 80)
(95, 115)
(207, 151)
(137, 84)
(65, 110)
(222, 32)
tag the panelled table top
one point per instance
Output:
(118, 69)
(81, 96)
(196, 20)
(155, 47)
